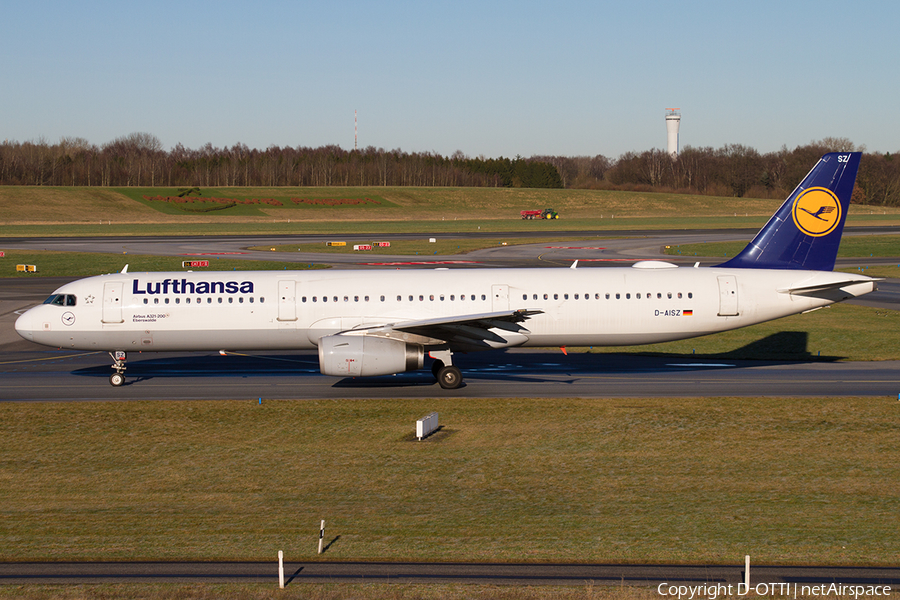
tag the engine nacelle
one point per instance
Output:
(363, 355)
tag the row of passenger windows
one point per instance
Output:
(412, 298)
(472, 297)
(617, 296)
(209, 300)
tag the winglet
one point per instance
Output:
(806, 231)
(125, 269)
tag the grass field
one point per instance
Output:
(34, 211)
(325, 591)
(689, 481)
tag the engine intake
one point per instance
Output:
(363, 356)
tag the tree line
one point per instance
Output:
(139, 160)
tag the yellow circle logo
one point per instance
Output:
(817, 211)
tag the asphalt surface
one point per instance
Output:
(764, 579)
(32, 373)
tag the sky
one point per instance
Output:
(523, 78)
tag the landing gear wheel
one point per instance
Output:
(116, 379)
(450, 378)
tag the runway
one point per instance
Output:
(764, 579)
(57, 375)
(34, 373)
(31, 373)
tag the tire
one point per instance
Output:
(450, 378)
(116, 379)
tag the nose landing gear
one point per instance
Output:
(118, 378)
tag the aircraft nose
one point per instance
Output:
(24, 325)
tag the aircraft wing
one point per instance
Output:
(479, 331)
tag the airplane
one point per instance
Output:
(370, 323)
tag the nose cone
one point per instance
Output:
(24, 325)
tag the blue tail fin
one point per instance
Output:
(806, 231)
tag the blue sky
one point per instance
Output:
(487, 78)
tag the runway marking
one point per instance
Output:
(424, 262)
(15, 362)
(698, 365)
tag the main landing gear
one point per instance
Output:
(448, 376)
(118, 378)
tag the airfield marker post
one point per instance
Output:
(281, 569)
(321, 535)
(746, 583)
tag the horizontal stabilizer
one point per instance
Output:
(810, 290)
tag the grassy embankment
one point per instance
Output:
(33, 211)
(696, 480)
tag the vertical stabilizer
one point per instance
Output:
(806, 231)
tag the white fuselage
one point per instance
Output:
(269, 310)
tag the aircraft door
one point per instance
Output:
(499, 297)
(728, 296)
(112, 302)
(287, 300)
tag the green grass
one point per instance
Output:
(696, 480)
(851, 247)
(837, 332)
(54, 211)
(86, 264)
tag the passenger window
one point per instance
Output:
(240, 299)
(546, 296)
(483, 297)
(146, 301)
(690, 294)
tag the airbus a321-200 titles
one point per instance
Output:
(368, 323)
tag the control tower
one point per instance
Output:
(673, 121)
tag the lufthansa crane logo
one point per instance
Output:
(817, 211)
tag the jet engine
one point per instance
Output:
(364, 355)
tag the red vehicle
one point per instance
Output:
(547, 213)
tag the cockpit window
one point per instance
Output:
(61, 300)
